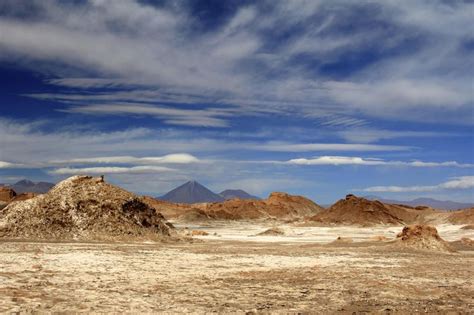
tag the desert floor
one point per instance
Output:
(235, 271)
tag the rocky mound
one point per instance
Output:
(6, 194)
(277, 206)
(272, 232)
(465, 216)
(422, 237)
(23, 196)
(360, 211)
(83, 208)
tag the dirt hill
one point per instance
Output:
(83, 208)
(422, 237)
(361, 211)
(465, 216)
(277, 206)
(6, 194)
(23, 196)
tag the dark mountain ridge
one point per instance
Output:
(430, 202)
(236, 194)
(27, 186)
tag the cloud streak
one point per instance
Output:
(178, 158)
(146, 169)
(350, 160)
(457, 183)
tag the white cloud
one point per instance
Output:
(350, 160)
(463, 182)
(6, 164)
(178, 158)
(308, 147)
(112, 170)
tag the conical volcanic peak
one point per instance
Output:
(84, 208)
(192, 192)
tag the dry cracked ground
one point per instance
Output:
(213, 275)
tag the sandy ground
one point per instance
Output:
(247, 232)
(220, 274)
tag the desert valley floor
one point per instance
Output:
(233, 270)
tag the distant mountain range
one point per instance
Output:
(236, 194)
(430, 202)
(194, 192)
(25, 185)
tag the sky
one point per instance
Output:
(316, 98)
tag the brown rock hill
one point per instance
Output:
(166, 208)
(277, 206)
(422, 237)
(465, 216)
(6, 194)
(23, 196)
(361, 211)
(83, 208)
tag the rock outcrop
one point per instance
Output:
(6, 194)
(465, 216)
(277, 206)
(354, 210)
(272, 232)
(423, 237)
(83, 208)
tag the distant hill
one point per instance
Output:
(236, 194)
(362, 211)
(191, 192)
(24, 186)
(430, 202)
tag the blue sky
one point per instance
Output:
(318, 98)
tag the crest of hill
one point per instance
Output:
(236, 194)
(83, 208)
(360, 211)
(277, 206)
(191, 192)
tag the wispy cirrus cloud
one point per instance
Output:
(313, 147)
(241, 59)
(211, 117)
(456, 183)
